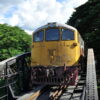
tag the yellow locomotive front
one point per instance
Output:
(56, 51)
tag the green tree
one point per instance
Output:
(87, 20)
(13, 41)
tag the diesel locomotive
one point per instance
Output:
(56, 56)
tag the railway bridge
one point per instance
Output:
(15, 83)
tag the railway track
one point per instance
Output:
(85, 89)
(66, 92)
(74, 92)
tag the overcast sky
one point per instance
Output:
(30, 14)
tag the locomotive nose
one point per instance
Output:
(52, 54)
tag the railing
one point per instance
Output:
(90, 89)
(14, 73)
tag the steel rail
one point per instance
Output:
(71, 91)
(37, 92)
(58, 93)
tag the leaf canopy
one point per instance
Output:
(13, 41)
(87, 20)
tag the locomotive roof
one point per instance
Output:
(56, 25)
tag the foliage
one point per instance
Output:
(13, 41)
(87, 20)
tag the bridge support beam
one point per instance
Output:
(91, 81)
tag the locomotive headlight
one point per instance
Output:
(74, 44)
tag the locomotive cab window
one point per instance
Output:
(38, 36)
(67, 34)
(52, 34)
